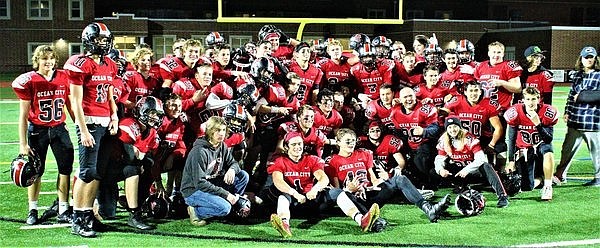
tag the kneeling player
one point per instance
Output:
(293, 186)
(460, 155)
(353, 171)
(530, 128)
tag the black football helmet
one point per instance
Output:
(382, 46)
(25, 169)
(242, 59)
(236, 117)
(90, 36)
(262, 71)
(248, 95)
(358, 40)
(511, 182)
(266, 31)
(157, 206)
(119, 59)
(177, 207)
(367, 56)
(213, 39)
(465, 46)
(147, 106)
(433, 54)
(470, 202)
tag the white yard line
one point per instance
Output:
(563, 243)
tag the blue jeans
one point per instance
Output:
(207, 205)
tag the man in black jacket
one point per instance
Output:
(212, 180)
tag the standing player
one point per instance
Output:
(336, 70)
(43, 95)
(466, 53)
(91, 76)
(140, 81)
(431, 92)
(530, 129)
(311, 76)
(370, 73)
(177, 68)
(455, 77)
(535, 75)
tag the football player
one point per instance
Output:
(381, 109)
(336, 70)
(455, 76)
(327, 119)
(371, 73)
(176, 68)
(282, 45)
(535, 75)
(385, 147)
(220, 65)
(460, 156)
(406, 73)
(140, 81)
(530, 129)
(43, 108)
(294, 174)
(466, 53)
(91, 76)
(129, 154)
(310, 75)
(398, 50)
(417, 125)
(354, 172)
(430, 92)
(313, 139)
(212, 182)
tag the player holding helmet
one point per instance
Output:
(44, 100)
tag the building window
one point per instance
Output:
(443, 14)
(376, 13)
(414, 14)
(238, 40)
(198, 37)
(39, 9)
(4, 9)
(75, 48)
(162, 45)
(125, 44)
(31, 46)
(509, 53)
(75, 9)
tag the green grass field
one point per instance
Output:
(573, 214)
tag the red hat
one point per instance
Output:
(374, 124)
(291, 135)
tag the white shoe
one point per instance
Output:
(426, 193)
(546, 193)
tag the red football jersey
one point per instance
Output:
(465, 156)
(220, 73)
(335, 75)
(96, 80)
(527, 134)
(130, 133)
(474, 118)
(121, 90)
(370, 81)
(436, 94)
(47, 98)
(348, 168)
(275, 96)
(376, 111)
(314, 139)
(448, 78)
(422, 115)
(505, 70)
(541, 80)
(284, 53)
(186, 87)
(388, 146)
(311, 79)
(171, 131)
(327, 123)
(140, 86)
(299, 175)
(174, 69)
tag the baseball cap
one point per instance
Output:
(532, 50)
(301, 45)
(451, 121)
(586, 51)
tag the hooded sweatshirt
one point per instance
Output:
(206, 164)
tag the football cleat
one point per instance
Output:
(546, 193)
(282, 227)
(32, 217)
(502, 201)
(369, 218)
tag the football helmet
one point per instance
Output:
(177, 207)
(511, 182)
(320, 47)
(25, 169)
(119, 58)
(157, 206)
(433, 54)
(213, 39)
(268, 31)
(147, 106)
(262, 71)
(242, 59)
(236, 118)
(367, 56)
(358, 40)
(382, 46)
(90, 36)
(470, 202)
(465, 46)
(248, 95)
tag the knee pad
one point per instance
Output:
(131, 170)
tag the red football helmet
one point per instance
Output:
(25, 169)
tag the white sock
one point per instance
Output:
(547, 182)
(283, 206)
(358, 217)
(62, 207)
(33, 205)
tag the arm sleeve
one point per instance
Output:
(512, 137)
(546, 133)
(479, 159)
(547, 97)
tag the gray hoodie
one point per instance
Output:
(206, 164)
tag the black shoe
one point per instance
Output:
(32, 217)
(502, 201)
(81, 228)
(595, 182)
(434, 212)
(50, 212)
(135, 220)
(66, 217)
(379, 225)
(95, 224)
